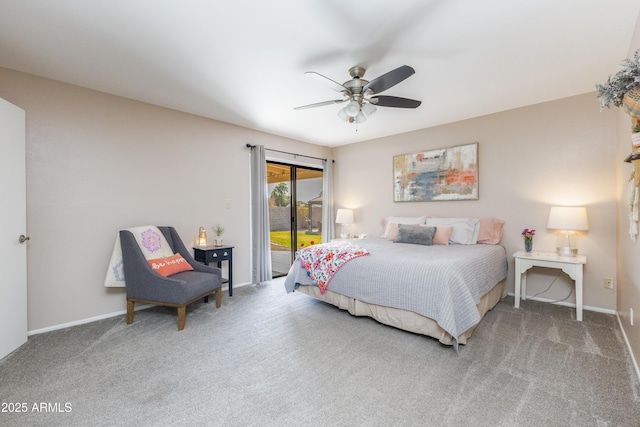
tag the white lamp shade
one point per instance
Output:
(352, 109)
(344, 216)
(368, 110)
(343, 114)
(568, 218)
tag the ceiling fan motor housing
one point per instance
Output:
(356, 83)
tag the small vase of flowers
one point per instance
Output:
(218, 230)
(528, 239)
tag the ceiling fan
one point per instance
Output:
(362, 95)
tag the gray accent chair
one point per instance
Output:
(178, 290)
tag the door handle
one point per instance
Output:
(23, 238)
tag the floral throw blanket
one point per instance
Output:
(324, 260)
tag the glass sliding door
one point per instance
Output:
(295, 211)
(279, 189)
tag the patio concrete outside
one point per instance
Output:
(280, 262)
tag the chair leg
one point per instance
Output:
(182, 314)
(130, 311)
(218, 297)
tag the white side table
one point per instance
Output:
(570, 265)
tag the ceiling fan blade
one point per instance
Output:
(331, 84)
(394, 101)
(390, 79)
(321, 104)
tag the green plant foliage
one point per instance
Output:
(280, 194)
(612, 92)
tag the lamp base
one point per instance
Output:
(345, 232)
(567, 251)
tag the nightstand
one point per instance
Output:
(572, 266)
(217, 254)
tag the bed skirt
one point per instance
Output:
(403, 319)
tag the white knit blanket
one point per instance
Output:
(151, 242)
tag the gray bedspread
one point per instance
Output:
(444, 283)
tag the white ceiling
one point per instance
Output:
(243, 61)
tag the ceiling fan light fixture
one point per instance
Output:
(343, 115)
(352, 109)
(361, 118)
(368, 110)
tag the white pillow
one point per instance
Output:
(465, 230)
(401, 220)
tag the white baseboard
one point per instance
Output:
(87, 320)
(626, 341)
(102, 316)
(570, 304)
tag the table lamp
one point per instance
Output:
(202, 237)
(344, 217)
(568, 219)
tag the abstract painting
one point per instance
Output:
(441, 174)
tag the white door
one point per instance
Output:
(13, 223)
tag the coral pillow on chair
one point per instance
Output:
(169, 265)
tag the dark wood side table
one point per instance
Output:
(217, 254)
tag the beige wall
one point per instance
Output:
(561, 152)
(628, 250)
(97, 163)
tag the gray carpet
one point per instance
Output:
(271, 359)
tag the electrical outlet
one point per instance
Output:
(608, 282)
(631, 316)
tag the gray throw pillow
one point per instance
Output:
(419, 235)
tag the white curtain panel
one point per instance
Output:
(260, 241)
(328, 220)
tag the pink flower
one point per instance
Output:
(528, 234)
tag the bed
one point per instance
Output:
(441, 291)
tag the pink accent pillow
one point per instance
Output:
(443, 232)
(386, 223)
(169, 265)
(490, 231)
(392, 231)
